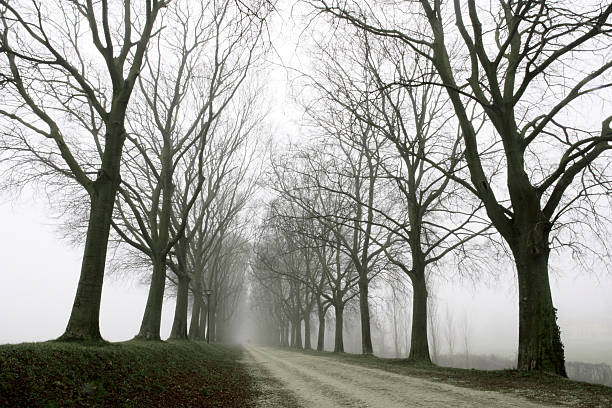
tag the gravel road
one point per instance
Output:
(291, 379)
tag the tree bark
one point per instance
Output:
(321, 331)
(540, 346)
(202, 332)
(179, 325)
(364, 311)
(84, 322)
(307, 344)
(151, 321)
(338, 336)
(419, 346)
(194, 326)
(296, 333)
(211, 325)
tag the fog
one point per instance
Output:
(469, 315)
(39, 274)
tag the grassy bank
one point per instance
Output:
(541, 388)
(130, 374)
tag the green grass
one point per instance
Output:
(537, 387)
(130, 374)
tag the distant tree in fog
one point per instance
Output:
(183, 131)
(406, 136)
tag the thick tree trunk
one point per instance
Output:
(338, 336)
(151, 321)
(540, 346)
(194, 326)
(419, 346)
(364, 309)
(307, 345)
(84, 322)
(395, 331)
(321, 331)
(179, 325)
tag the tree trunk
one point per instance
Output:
(194, 326)
(296, 333)
(151, 321)
(395, 330)
(84, 322)
(202, 333)
(540, 346)
(211, 325)
(364, 309)
(307, 345)
(285, 341)
(179, 325)
(321, 333)
(339, 338)
(419, 346)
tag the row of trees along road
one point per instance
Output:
(439, 134)
(422, 109)
(146, 106)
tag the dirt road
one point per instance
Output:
(297, 380)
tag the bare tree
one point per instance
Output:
(189, 83)
(329, 277)
(511, 48)
(433, 327)
(215, 234)
(49, 72)
(356, 82)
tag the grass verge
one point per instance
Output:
(130, 374)
(542, 388)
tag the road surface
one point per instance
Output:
(292, 379)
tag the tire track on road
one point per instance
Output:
(319, 381)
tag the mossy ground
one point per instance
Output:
(129, 374)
